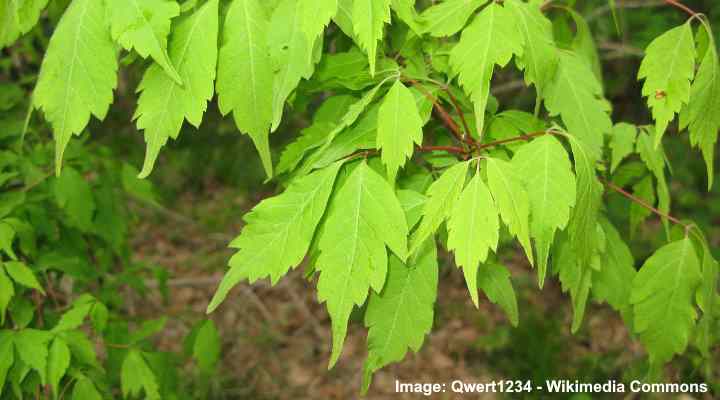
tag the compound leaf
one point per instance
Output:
(662, 299)
(401, 315)
(442, 195)
(399, 128)
(245, 74)
(278, 232)
(508, 190)
(144, 25)
(78, 74)
(164, 104)
(473, 230)
(492, 38)
(136, 377)
(668, 68)
(364, 215)
(546, 172)
(369, 18)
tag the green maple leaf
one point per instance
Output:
(291, 53)
(32, 347)
(582, 226)
(244, 61)
(18, 17)
(662, 299)
(405, 10)
(144, 25)
(473, 230)
(164, 105)
(539, 58)
(78, 74)
(442, 195)
(492, 38)
(577, 96)
(57, 363)
(575, 277)
(668, 68)
(401, 315)
(448, 17)
(547, 174)
(701, 114)
(508, 190)
(364, 215)
(369, 18)
(278, 232)
(613, 282)
(399, 128)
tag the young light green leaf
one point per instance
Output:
(576, 278)
(278, 232)
(78, 74)
(668, 68)
(136, 377)
(492, 38)
(369, 18)
(494, 280)
(291, 54)
(442, 195)
(74, 195)
(399, 128)
(613, 282)
(662, 299)
(473, 230)
(58, 363)
(539, 58)
(244, 62)
(448, 17)
(32, 347)
(7, 291)
(85, 390)
(584, 44)
(708, 298)
(577, 96)
(701, 114)
(23, 275)
(508, 190)
(18, 17)
(401, 315)
(316, 15)
(622, 143)
(582, 226)
(545, 169)
(163, 104)
(364, 216)
(144, 25)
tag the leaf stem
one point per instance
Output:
(643, 203)
(443, 114)
(525, 137)
(681, 6)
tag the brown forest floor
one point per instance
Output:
(276, 341)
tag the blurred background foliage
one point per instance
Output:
(170, 250)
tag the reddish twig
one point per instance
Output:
(681, 6)
(442, 113)
(459, 112)
(525, 137)
(642, 203)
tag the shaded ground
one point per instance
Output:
(276, 341)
